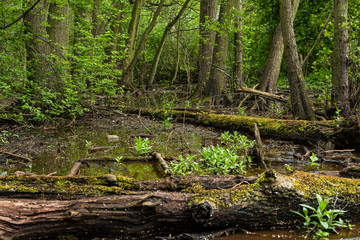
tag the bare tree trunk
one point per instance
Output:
(131, 40)
(340, 91)
(208, 10)
(162, 43)
(216, 83)
(238, 51)
(127, 77)
(268, 80)
(299, 100)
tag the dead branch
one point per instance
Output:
(261, 93)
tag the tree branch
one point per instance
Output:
(22, 16)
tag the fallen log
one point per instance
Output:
(300, 131)
(128, 208)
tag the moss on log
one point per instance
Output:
(293, 130)
(134, 209)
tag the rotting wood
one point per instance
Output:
(128, 212)
(300, 131)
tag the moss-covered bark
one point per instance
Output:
(293, 130)
(125, 207)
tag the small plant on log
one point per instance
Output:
(142, 146)
(322, 221)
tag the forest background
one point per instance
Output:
(58, 56)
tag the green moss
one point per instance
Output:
(68, 188)
(344, 189)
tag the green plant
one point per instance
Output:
(118, 159)
(236, 141)
(142, 146)
(241, 112)
(5, 136)
(88, 144)
(337, 118)
(288, 167)
(275, 111)
(314, 159)
(185, 166)
(322, 221)
(218, 160)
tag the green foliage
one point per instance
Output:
(219, 160)
(5, 136)
(185, 166)
(142, 146)
(314, 159)
(241, 112)
(236, 141)
(337, 118)
(322, 221)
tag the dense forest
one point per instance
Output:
(186, 119)
(58, 56)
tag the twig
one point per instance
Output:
(344, 150)
(139, 117)
(16, 156)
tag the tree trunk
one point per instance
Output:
(158, 210)
(208, 11)
(238, 50)
(59, 35)
(131, 40)
(340, 91)
(299, 99)
(37, 47)
(217, 79)
(127, 77)
(162, 43)
(268, 80)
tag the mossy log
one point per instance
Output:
(347, 136)
(43, 206)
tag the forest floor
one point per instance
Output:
(54, 148)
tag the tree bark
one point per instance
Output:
(127, 77)
(217, 80)
(238, 50)
(59, 34)
(299, 99)
(162, 43)
(132, 36)
(208, 10)
(263, 204)
(37, 47)
(340, 90)
(268, 80)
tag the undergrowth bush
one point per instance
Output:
(229, 158)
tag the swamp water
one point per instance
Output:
(57, 150)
